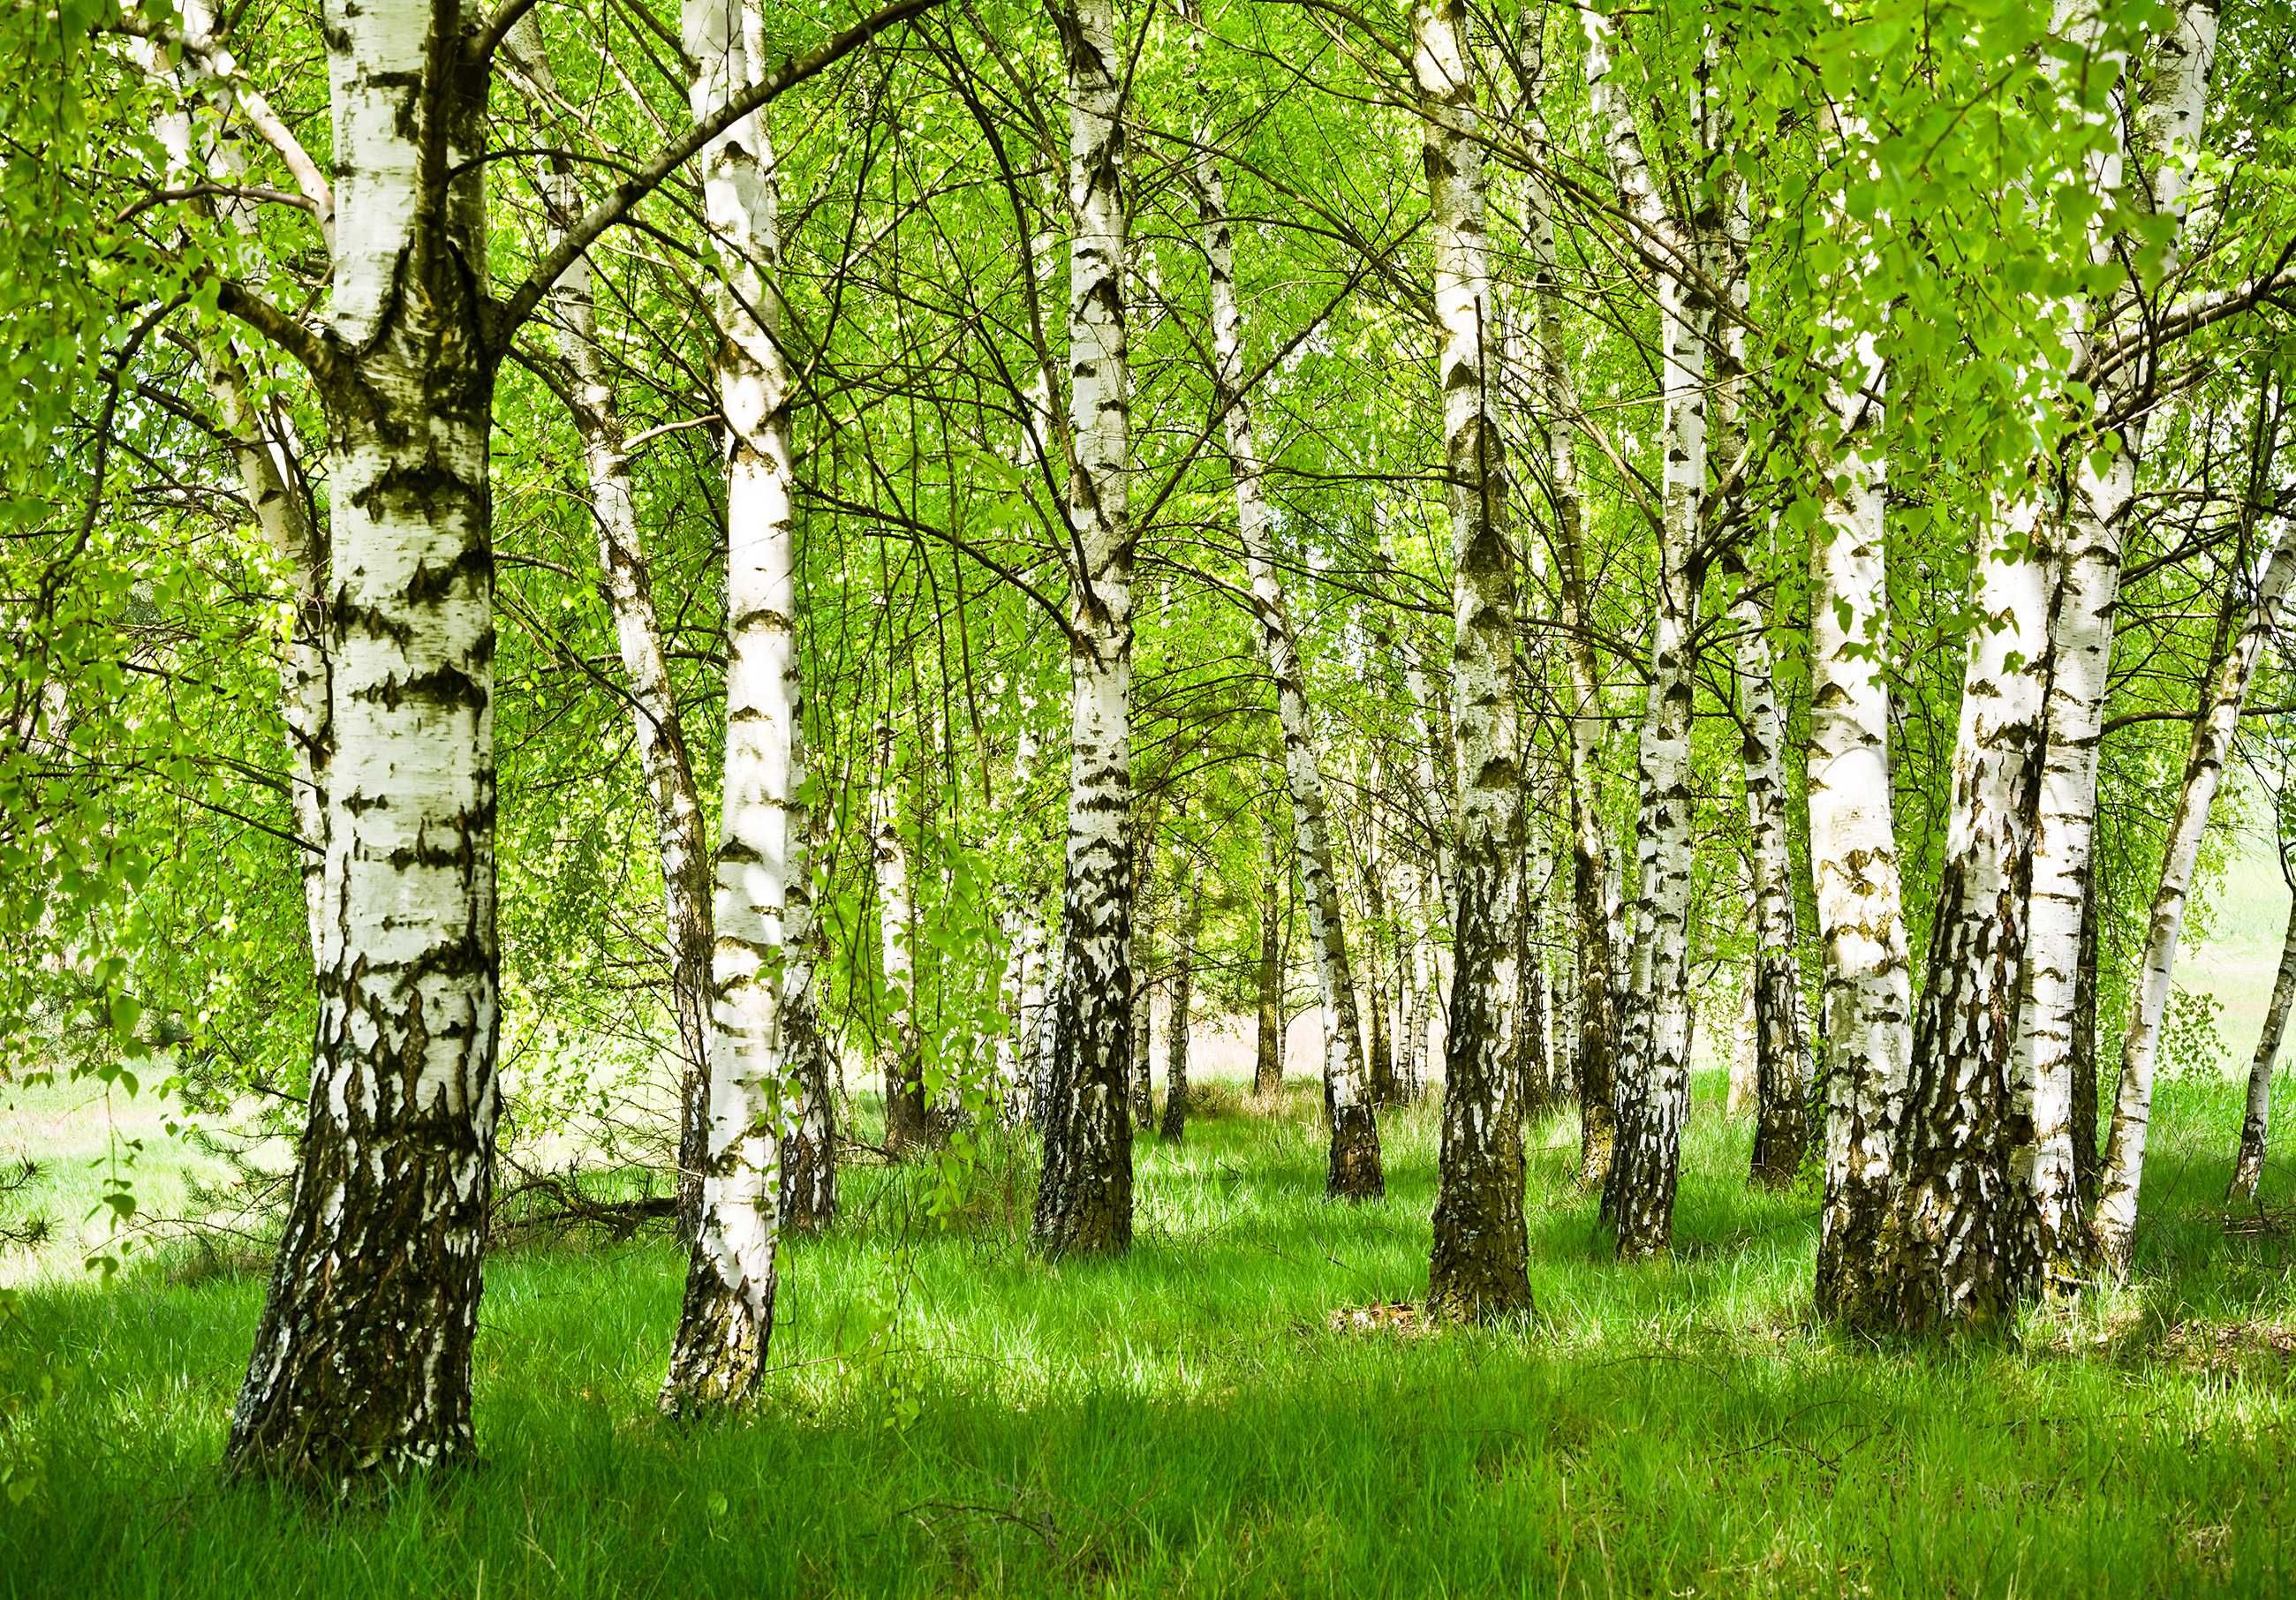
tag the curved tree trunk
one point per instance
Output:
(1084, 1200)
(1355, 1171)
(362, 1357)
(1478, 1267)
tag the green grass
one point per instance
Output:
(952, 1416)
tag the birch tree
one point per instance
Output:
(1654, 1089)
(1355, 1171)
(1479, 1267)
(1084, 1200)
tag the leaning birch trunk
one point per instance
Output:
(1853, 851)
(663, 760)
(1354, 1171)
(2168, 129)
(724, 1321)
(1084, 1201)
(362, 1357)
(1478, 1267)
(909, 1123)
(1781, 1038)
(2255, 1119)
(1654, 1079)
(1175, 1126)
(2113, 1229)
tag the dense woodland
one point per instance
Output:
(629, 616)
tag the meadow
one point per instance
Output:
(1244, 1405)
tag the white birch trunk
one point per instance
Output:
(362, 1358)
(663, 760)
(1354, 1171)
(2113, 1229)
(725, 1322)
(1084, 1200)
(909, 1123)
(1478, 1269)
(2167, 138)
(1781, 1035)
(1853, 848)
(1653, 1087)
(2256, 1117)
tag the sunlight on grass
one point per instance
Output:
(953, 1415)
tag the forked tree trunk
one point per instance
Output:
(1853, 852)
(724, 1321)
(362, 1357)
(2112, 1228)
(663, 760)
(1654, 1085)
(1478, 1267)
(1354, 1171)
(1084, 1200)
(2255, 1119)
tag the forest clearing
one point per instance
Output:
(1125, 796)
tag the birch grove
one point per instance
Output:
(541, 547)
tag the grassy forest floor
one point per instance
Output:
(1205, 1416)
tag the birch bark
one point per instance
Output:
(1478, 1269)
(1868, 1005)
(1781, 1039)
(2256, 1117)
(1653, 1087)
(663, 760)
(2166, 127)
(1175, 1126)
(725, 1318)
(362, 1357)
(908, 1122)
(1084, 1200)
